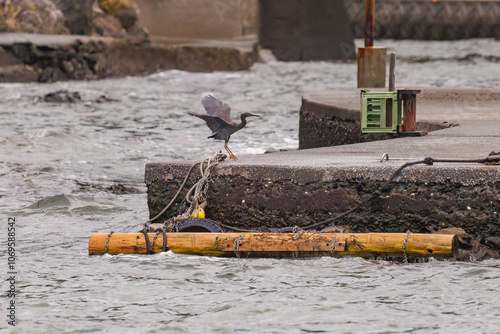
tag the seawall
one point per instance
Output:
(303, 187)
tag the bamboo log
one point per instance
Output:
(282, 244)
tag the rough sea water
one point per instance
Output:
(68, 170)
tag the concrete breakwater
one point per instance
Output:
(304, 187)
(428, 20)
(268, 195)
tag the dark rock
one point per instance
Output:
(104, 99)
(481, 252)
(68, 67)
(107, 25)
(62, 96)
(58, 75)
(127, 17)
(121, 189)
(137, 34)
(77, 15)
(46, 74)
(493, 242)
(12, 69)
(117, 188)
(21, 51)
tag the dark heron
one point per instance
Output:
(218, 119)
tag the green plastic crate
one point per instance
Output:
(375, 115)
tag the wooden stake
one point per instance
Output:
(392, 72)
(282, 244)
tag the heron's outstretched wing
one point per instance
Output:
(215, 107)
(213, 122)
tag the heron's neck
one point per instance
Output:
(243, 122)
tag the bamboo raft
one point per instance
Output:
(280, 245)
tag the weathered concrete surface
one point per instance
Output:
(46, 58)
(307, 186)
(199, 19)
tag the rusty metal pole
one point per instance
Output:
(372, 61)
(369, 22)
(392, 72)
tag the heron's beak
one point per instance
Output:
(254, 115)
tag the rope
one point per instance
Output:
(197, 195)
(148, 245)
(332, 246)
(405, 241)
(107, 242)
(298, 232)
(199, 187)
(236, 246)
(173, 199)
(164, 247)
(385, 155)
(154, 239)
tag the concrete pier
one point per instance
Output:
(298, 188)
(47, 58)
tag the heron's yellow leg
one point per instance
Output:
(231, 155)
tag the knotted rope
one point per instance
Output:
(196, 197)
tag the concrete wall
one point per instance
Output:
(298, 30)
(199, 19)
(428, 20)
(292, 29)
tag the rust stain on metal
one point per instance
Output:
(369, 22)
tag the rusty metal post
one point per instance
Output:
(372, 61)
(392, 87)
(369, 22)
(392, 72)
